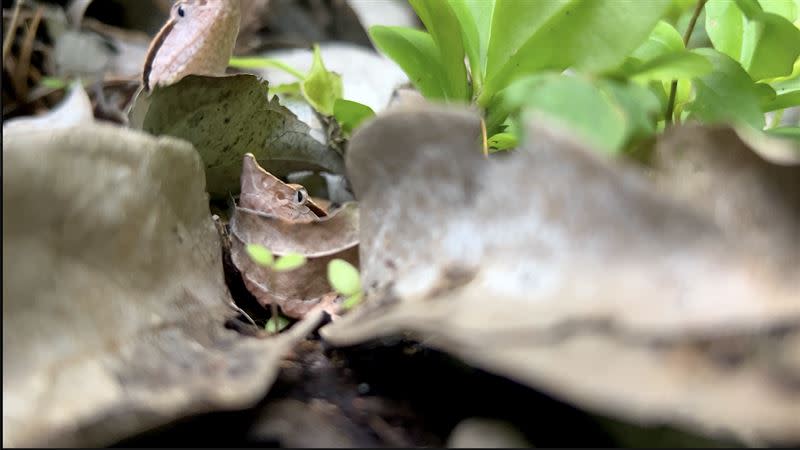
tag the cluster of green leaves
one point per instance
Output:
(604, 67)
(321, 88)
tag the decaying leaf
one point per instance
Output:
(114, 301)
(749, 197)
(573, 274)
(282, 219)
(75, 109)
(226, 117)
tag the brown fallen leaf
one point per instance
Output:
(573, 274)
(283, 219)
(114, 301)
(750, 197)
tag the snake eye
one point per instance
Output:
(300, 196)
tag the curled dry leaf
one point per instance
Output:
(114, 300)
(281, 218)
(573, 274)
(226, 117)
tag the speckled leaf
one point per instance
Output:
(226, 117)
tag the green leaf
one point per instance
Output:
(260, 255)
(786, 132)
(288, 262)
(53, 83)
(276, 324)
(416, 53)
(256, 62)
(350, 114)
(640, 105)
(443, 25)
(353, 300)
(557, 34)
(750, 8)
(482, 12)
(321, 88)
(771, 46)
(677, 65)
(287, 88)
(574, 102)
(728, 94)
(343, 277)
(766, 43)
(725, 25)
(664, 39)
(503, 141)
(788, 9)
(783, 101)
(474, 47)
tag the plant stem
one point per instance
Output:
(259, 63)
(673, 90)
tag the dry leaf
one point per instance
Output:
(573, 274)
(748, 196)
(114, 301)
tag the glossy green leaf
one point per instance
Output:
(443, 26)
(677, 65)
(640, 105)
(727, 94)
(663, 39)
(766, 43)
(289, 262)
(260, 255)
(351, 114)
(725, 25)
(474, 45)
(574, 102)
(771, 46)
(416, 53)
(343, 277)
(750, 8)
(783, 101)
(556, 34)
(502, 141)
(785, 132)
(321, 88)
(788, 9)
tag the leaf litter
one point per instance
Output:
(576, 275)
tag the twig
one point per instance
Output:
(673, 90)
(12, 30)
(484, 139)
(25, 54)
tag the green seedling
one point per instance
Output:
(345, 279)
(321, 88)
(285, 263)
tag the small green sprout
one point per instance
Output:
(345, 279)
(276, 324)
(288, 262)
